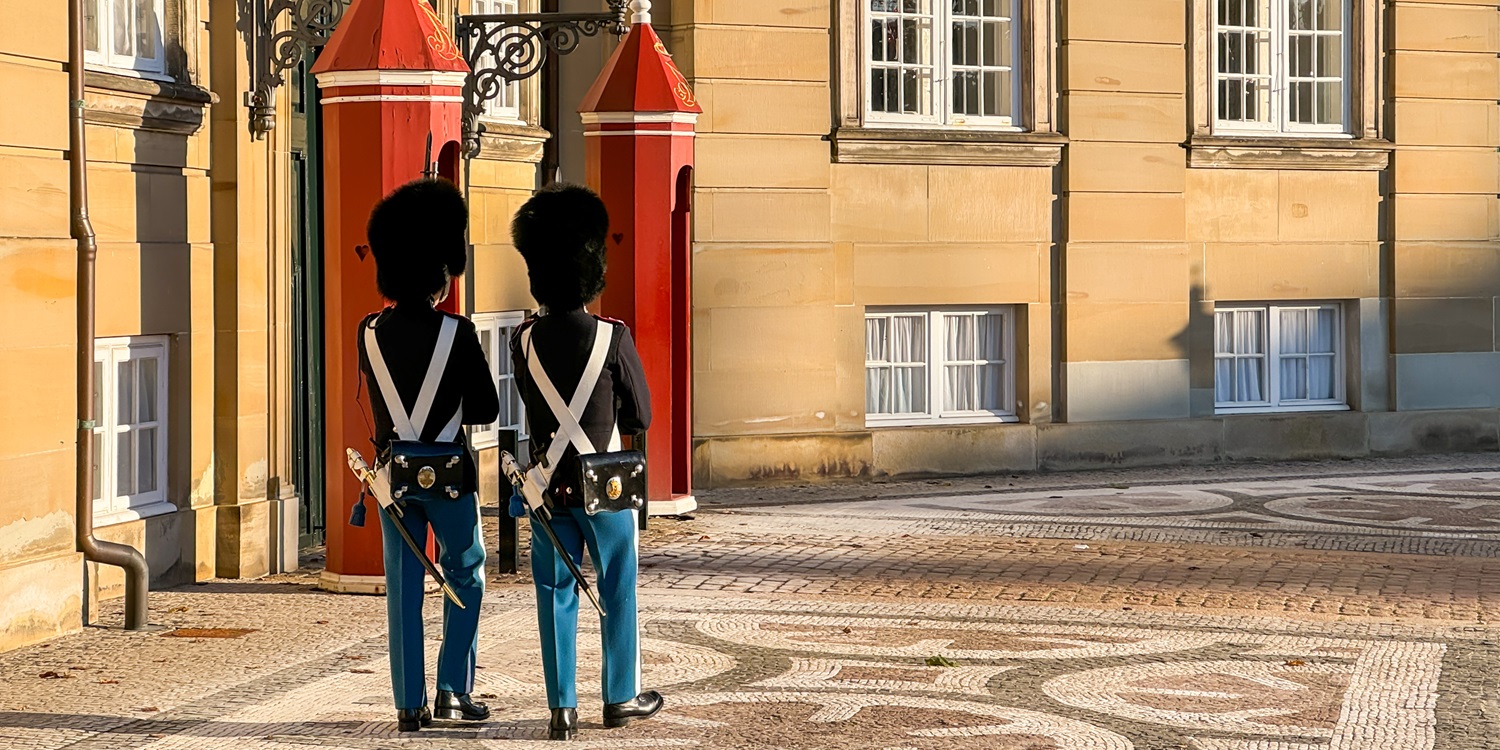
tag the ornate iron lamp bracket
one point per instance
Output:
(309, 24)
(509, 47)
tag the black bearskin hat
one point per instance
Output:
(417, 234)
(560, 232)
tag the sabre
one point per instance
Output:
(370, 479)
(542, 518)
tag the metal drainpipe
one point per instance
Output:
(94, 550)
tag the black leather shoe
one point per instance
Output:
(564, 724)
(644, 706)
(412, 719)
(453, 706)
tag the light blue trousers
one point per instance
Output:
(611, 539)
(455, 523)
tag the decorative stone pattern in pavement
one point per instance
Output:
(760, 672)
(881, 625)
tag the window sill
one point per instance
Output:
(924, 421)
(1312, 153)
(149, 510)
(135, 102)
(936, 146)
(1230, 411)
(503, 140)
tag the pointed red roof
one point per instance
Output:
(640, 77)
(391, 35)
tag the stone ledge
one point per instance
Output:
(1325, 154)
(168, 107)
(946, 147)
(503, 141)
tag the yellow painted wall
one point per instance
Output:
(792, 246)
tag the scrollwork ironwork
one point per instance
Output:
(504, 48)
(309, 24)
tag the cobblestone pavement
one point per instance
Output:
(1250, 613)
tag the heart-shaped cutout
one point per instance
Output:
(618, 237)
(361, 251)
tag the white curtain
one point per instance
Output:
(896, 373)
(1313, 332)
(1238, 378)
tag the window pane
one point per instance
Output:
(958, 393)
(908, 341)
(914, 42)
(146, 370)
(1294, 334)
(1300, 14)
(909, 390)
(1293, 379)
(991, 338)
(125, 392)
(120, 21)
(877, 390)
(1300, 55)
(998, 96)
(1224, 332)
(960, 337)
(98, 463)
(1330, 103)
(91, 25)
(992, 388)
(1250, 332)
(1324, 331)
(916, 91)
(147, 30)
(98, 392)
(1331, 14)
(1320, 378)
(145, 473)
(1330, 56)
(876, 349)
(1224, 380)
(1247, 382)
(124, 459)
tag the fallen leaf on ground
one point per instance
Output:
(939, 661)
(847, 631)
(51, 675)
(362, 671)
(1296, 663)
(321, 622)
(200, 633)
(148, 709)
(178, 609)
(704, 538)
(80, 669)
(109, 682)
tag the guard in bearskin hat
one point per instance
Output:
(427, 377)
(583, 385)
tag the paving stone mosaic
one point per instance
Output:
(892, 623)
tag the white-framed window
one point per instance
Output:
(495, 330)
(126, 35)
(1278, 357)
(1281, 67)
(942, 62)
(130, 428)
(507, 102)
(932, 366)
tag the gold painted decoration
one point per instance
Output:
(426, 477)
(614, 488)
(442, 42)
(682, 89)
